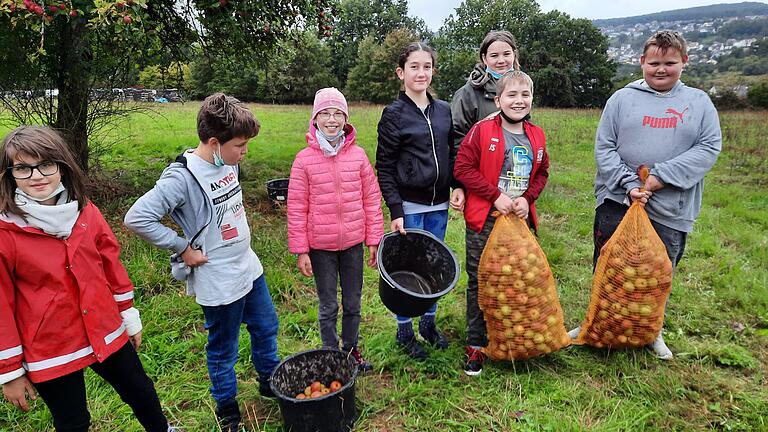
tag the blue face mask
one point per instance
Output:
(217, 159)
(493, 73)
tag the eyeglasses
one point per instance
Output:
(325, 115)
(46, 168)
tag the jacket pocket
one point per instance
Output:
(667, 202)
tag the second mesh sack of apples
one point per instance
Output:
(517, 294)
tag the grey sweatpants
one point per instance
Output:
(330, 268)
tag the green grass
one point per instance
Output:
(716, 381)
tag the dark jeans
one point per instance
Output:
(256, 310)
(66, 399)
(436, 222)
(476, 333)
(609, 214)
(331, 268)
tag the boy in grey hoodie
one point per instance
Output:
(202, 194)
(674, 129)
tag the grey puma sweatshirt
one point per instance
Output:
(676, 134)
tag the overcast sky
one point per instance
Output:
(434, 12)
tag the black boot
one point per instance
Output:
(228, 416)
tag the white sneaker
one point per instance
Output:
(660, 349)
(574, 333)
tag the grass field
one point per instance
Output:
(717, 320)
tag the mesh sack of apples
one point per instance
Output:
(630, 287)
(516, 292)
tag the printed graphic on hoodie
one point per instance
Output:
(669, 122)
(518, 163)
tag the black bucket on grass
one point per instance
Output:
(415, 270)
(334, 412)
(277, 189)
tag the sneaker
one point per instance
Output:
(413, 348)
(362, 365)
(475, 359)
(574, 333)
(434, 338)
(660, 349)
(266, 390)
(228, 417)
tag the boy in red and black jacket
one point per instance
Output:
(503, 165)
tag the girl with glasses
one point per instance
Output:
(70, 307)
(334, 210)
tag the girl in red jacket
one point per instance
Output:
(334, 207)
(503, 165)
(66, 302)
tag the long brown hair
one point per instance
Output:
(42, 143)
(500, 36)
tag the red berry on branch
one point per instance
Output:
(127, 19)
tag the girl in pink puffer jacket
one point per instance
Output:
(334, 207)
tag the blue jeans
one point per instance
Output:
(435, 222)
(256, 310)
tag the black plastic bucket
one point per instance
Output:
(334, 412)
(415, 270)
(277, 189)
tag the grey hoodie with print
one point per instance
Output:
(676, 134)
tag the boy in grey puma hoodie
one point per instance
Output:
(673, 129)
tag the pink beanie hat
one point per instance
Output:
(329, 97)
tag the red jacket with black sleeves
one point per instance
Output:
(60, 299)
(478, 167)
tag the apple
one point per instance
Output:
(506, 310)
(509, 333)
(507, 323)
(603, 314)
(316, 394)
(506, 269)
(301, 396)
(498, 315)
(551, 320)
(502, 297)
(308, 391)
(534, 313)
(519, 329)
(645, 310)
(652, 282)
(609, 272)
(516, 316)
(325, 390)
(518, 284)
(315, 386)
(628, 287)
(629, 271)
(621, 338)
(522, 298)
(335, 386)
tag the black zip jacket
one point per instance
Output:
(415, 153)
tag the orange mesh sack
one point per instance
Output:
(630, 286)
(517, 295)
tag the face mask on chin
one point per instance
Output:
(217, 159)
(59, 189)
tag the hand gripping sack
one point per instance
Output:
(630, 286)
(516, 292)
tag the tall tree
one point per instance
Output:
(373, 78)
(358, 19)
(72, 45)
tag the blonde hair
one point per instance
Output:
(42, 143)
(666, 39)
(225, 117)
(513, 76)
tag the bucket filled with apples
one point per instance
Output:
(316, 391)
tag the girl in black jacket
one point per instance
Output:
(414, 160)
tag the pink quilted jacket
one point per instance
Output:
(333, 202)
